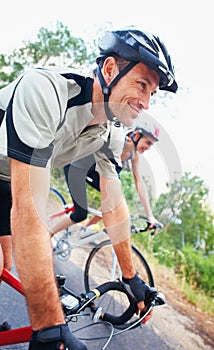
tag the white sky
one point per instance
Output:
(187, 29)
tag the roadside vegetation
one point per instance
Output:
(186, 243)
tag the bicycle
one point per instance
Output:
(101, 263)
(74, 306)
(66, 240)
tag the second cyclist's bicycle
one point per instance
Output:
(101, 263)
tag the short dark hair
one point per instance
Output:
(121, 62)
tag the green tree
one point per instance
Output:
(186, 243)
(51, 47)
(186, 214)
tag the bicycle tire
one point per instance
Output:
(102, 266)
(55, 204)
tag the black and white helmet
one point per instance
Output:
(136, 45)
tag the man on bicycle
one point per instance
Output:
(53, 117)
(137, 141)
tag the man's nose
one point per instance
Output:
(145, 103)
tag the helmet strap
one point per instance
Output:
(106, 90)
(135, 142)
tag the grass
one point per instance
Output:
(164, 274)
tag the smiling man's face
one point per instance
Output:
(132, 93)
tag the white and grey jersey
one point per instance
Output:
(4, 168)
(44, 117)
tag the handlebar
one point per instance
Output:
(135, 229)
(127, 315)
(73, 304)
(155, 298)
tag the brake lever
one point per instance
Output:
(155, 299)
(160, 299)
(155, 227)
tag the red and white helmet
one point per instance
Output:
(150, 130)
(147, 129)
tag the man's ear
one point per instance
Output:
(110, 69)
(136, 135)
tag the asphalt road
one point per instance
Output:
(14, 311)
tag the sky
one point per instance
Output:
(186, 27)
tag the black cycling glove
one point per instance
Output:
(51, 338)
(139, 288)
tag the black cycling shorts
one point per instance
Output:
(5, 206)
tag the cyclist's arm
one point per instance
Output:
(116, 220)
(127, 149)
(32, 248)
(142, 188)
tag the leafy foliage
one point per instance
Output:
(129, 190)
(52, 47)
(186, 213)
(197, 268)
(57, 44)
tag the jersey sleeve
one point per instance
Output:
(33, 115)
(108, 158)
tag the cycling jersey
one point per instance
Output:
(44, 117)
(84, 170)
(4, 168)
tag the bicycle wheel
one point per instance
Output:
(56, 204)
(56, 201)
(102, 266)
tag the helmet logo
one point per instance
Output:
(156, 132)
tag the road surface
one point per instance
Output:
(151, 337)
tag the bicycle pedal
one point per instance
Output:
(5, 326)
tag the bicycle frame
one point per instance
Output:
(95, 236)
(17, 335)
(70, 209)
(71, 240)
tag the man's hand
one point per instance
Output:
(154, 224)
(142, 292)
(143, 308)
(56, 337)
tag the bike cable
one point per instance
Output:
(109, 338)
(135, 324)
(113, 333)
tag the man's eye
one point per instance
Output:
(153, 93)
(143, 85)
